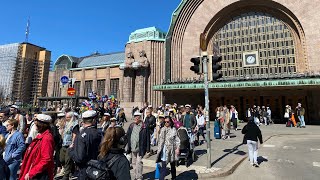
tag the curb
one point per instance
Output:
(225, 171)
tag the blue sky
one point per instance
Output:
(81, 27)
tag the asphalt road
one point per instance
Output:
(286, 157)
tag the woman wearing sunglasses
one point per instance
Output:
(168, 148)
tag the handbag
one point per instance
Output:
(286, 115)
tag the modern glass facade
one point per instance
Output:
(262, 35)
(8, 61)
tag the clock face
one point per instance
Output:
(251, 59)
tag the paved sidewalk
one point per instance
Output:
(226, 154)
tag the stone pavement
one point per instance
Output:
(226, 154)
(285, 157)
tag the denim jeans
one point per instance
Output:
(301, 119)
(253, 151)
(265, 120)
(257, 121)
(14, 167)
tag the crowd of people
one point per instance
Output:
(62, 143)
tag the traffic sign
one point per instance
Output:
(71, 91)
(64, 80)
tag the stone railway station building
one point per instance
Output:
(269, 52)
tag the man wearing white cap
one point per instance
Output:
(138, 144)
(105, 122)
(86, 143)
(189, 122)
(14, 114)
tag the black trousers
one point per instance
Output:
(163, 170)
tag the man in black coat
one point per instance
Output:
(86, 143)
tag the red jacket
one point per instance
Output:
(39, 157)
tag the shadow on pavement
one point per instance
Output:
(261, 160)
(188, 175)
(201, 152)
(229, 151)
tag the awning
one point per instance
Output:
(301, 82)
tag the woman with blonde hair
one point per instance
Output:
(112, 149)
(121, 118)
(4, 170)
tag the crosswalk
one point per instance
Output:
(287, 161)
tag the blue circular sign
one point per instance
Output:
(64, 80)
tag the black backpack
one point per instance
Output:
(100, 169)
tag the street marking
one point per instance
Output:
(269, 145)
(289, 147)
(182, 168)
(285, 161)
(316, 164)
(311, 149)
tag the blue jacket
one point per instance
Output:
(3, 130)
(14, 147)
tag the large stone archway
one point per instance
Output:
(193, 17)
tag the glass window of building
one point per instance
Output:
(101, 84)
(87, 87)
(256, 31)
(114, 87)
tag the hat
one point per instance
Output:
(137, 113)
(113, 119)
(188, 105)
(181, 106)
(61, 115)
(167, 105)
(15, 106)
(106, 114)
(161, 115)
(150, 106)
(44, 118)
(89, 114)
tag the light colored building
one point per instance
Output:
(98, 72)
(24, 72)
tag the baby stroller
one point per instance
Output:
(186, 146)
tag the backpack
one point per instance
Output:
(101, 170)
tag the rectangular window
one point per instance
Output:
(77, 87)
(114, 87)
(87, 87)
(101, 84)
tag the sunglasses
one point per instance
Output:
(167, 121)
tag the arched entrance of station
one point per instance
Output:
(264, 28)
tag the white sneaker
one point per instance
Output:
(61, 173)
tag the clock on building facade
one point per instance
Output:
(251, 59)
